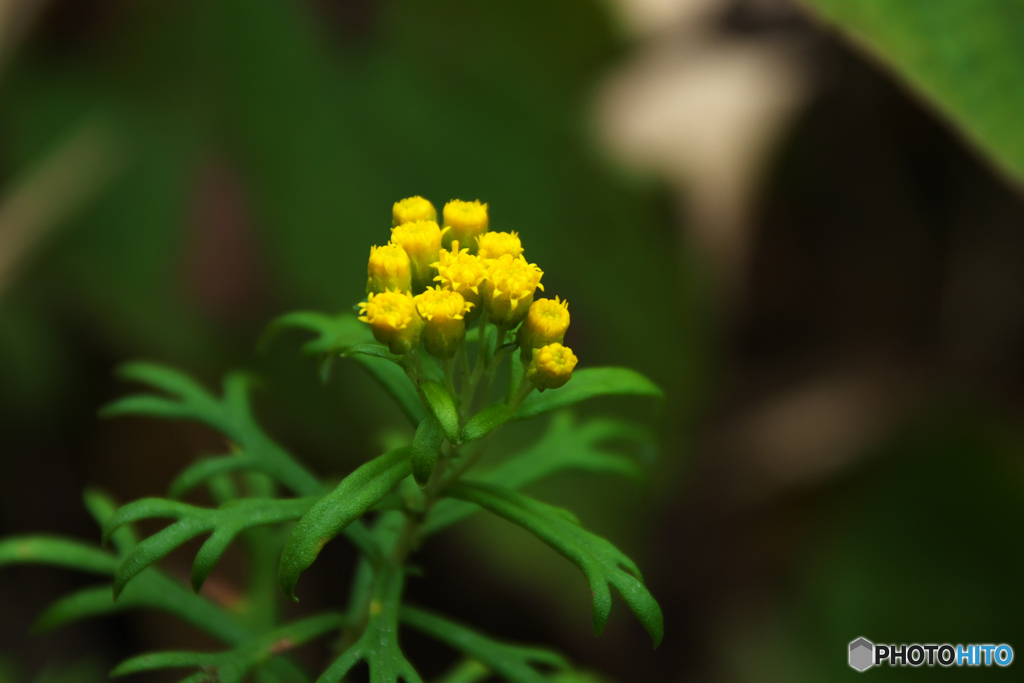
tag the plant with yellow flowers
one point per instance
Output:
(454, 330)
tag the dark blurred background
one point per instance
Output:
(828, 283)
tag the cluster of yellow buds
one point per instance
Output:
(477, 272)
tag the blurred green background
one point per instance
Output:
(803, 221)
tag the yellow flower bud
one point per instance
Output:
(444, 326)
(545, 324)
(551, 366)
(463, 221)
(421, 240)
(509, 288)
(461, 272)
(413, 209)
(393, 318)
(389, 268)
(492, 245)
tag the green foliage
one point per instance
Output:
(513, 662)
(225, 523)
(230, 415)
(599, 560)
(587, 383)
(356, 494)
(418, 488)
(233, 665)
(967, 57)
(426, 447)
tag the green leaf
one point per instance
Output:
(59, 552)
(512, 662)
(150, 590)
(337, 334)
(231, 415)
(589, 383)
(585, 384)
(398, 385)
(232, 666)
(599, 560)
(426, 446)
(378, 645)
(102, 507)
(207, 468)
(966, 57)
(225, 523)
(374, 348)
(356, 494)
(443, 406)
(469, 671)
(565, 446)
(334, 333)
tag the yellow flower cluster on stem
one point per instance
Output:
(430, 281)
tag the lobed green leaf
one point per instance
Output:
(600, 561)
(336, 335)
(512, 662)
(232, 666)
(231, 415)
(565, 446)
(357, 493)
(378, 645)
(203, 470)
(225, 523)
(150, 590)
(58, 552)
(585, 384)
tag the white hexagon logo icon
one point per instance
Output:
(862, 654)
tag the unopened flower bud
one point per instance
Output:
(393, 318)
(421, 241)
(389, 268)
(509, 288)
(545, 324)
(551, 366)
(493, 245)
(413, 209)
(463, 221)
(444, 326)
(461, 272)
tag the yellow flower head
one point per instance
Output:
(545, 324)
(551, 366)
(389, 268)
(494, 245)
(421, 240)
(509, 288)
(393, 318)
(461, 272)
(443, 313)
(413, 209)
(463, 221)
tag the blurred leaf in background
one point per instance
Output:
(966, 57)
